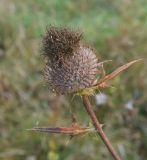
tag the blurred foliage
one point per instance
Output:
(118, 30)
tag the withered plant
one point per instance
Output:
(72, 67)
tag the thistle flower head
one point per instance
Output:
(71, 66)
(60, 41)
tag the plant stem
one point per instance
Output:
(98, 127)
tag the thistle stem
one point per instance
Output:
(98, 127)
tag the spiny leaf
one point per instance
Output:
(72, 131)
(116, 72)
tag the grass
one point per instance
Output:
(118, 30)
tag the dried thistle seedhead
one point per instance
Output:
(71, 66)
(60, 41)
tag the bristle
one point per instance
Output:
(60, 41)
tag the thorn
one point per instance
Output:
(32, 129)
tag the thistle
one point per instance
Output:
(71, 65)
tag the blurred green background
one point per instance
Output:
(118, 30)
